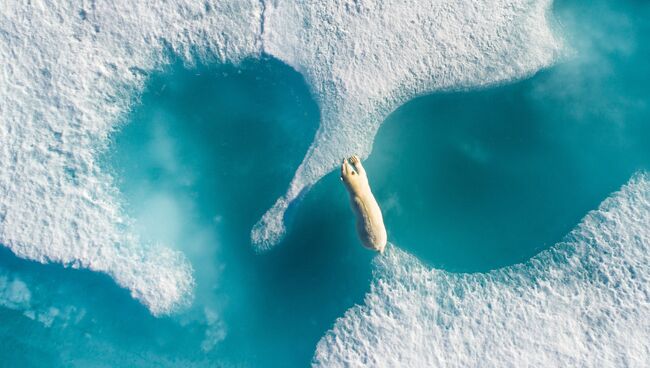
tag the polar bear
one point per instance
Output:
(370, 223)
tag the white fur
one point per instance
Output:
(370, 223)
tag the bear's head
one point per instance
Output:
(353, 175)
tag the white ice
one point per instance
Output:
(363, 59)
(71, 71)
(584, 302)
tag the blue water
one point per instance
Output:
(206, 153)
(476, 180)
(468, 181)
(490, 178)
